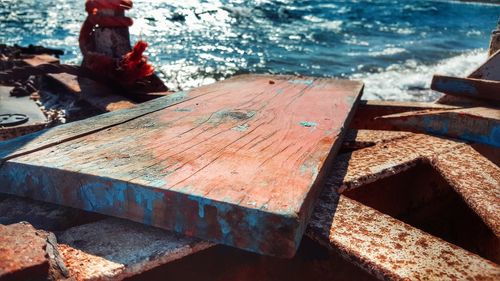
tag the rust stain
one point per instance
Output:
(350, 228)
(385, 159)
(386, 247)
(475, 179)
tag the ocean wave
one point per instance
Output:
(411, 81)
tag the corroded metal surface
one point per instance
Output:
(467, 87)
(370, 109)
(241, 164)
(355, 139)
(490, 70)
(475, 179)
(28, 254)
(388, 248)
(385, 159)
(114, 249)
(477, 124)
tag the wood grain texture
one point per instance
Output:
(240, 164)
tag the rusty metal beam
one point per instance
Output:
(388, 248)
(477, 124)
(29, 254)
(370, 109)
(475, 179)
(386, 159)
(356, 139)
(467, 87)
(490, 70)
(470, 174)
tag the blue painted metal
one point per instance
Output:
(479, 124)
(467, 87)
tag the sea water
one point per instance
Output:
(393, 46)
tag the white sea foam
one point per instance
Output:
(411, 81)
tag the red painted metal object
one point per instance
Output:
(239, 162)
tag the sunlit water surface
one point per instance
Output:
(393, 46)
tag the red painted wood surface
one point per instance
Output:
(240, 163)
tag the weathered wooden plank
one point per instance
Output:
(467, 87)
(477, 124)
(96, 94)
(239, 166)
(60, 134)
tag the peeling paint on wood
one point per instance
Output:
(191, 172)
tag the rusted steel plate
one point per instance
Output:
(490, 152)
(475, 179)
(388, 248)
(356, 139)
(467, 87)
(29, 254)
(490, 70)
(386, 159)
(478, 124)
(115, 249)
(22, 251)
(240, 165)
(371, 109)
(96, 94)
